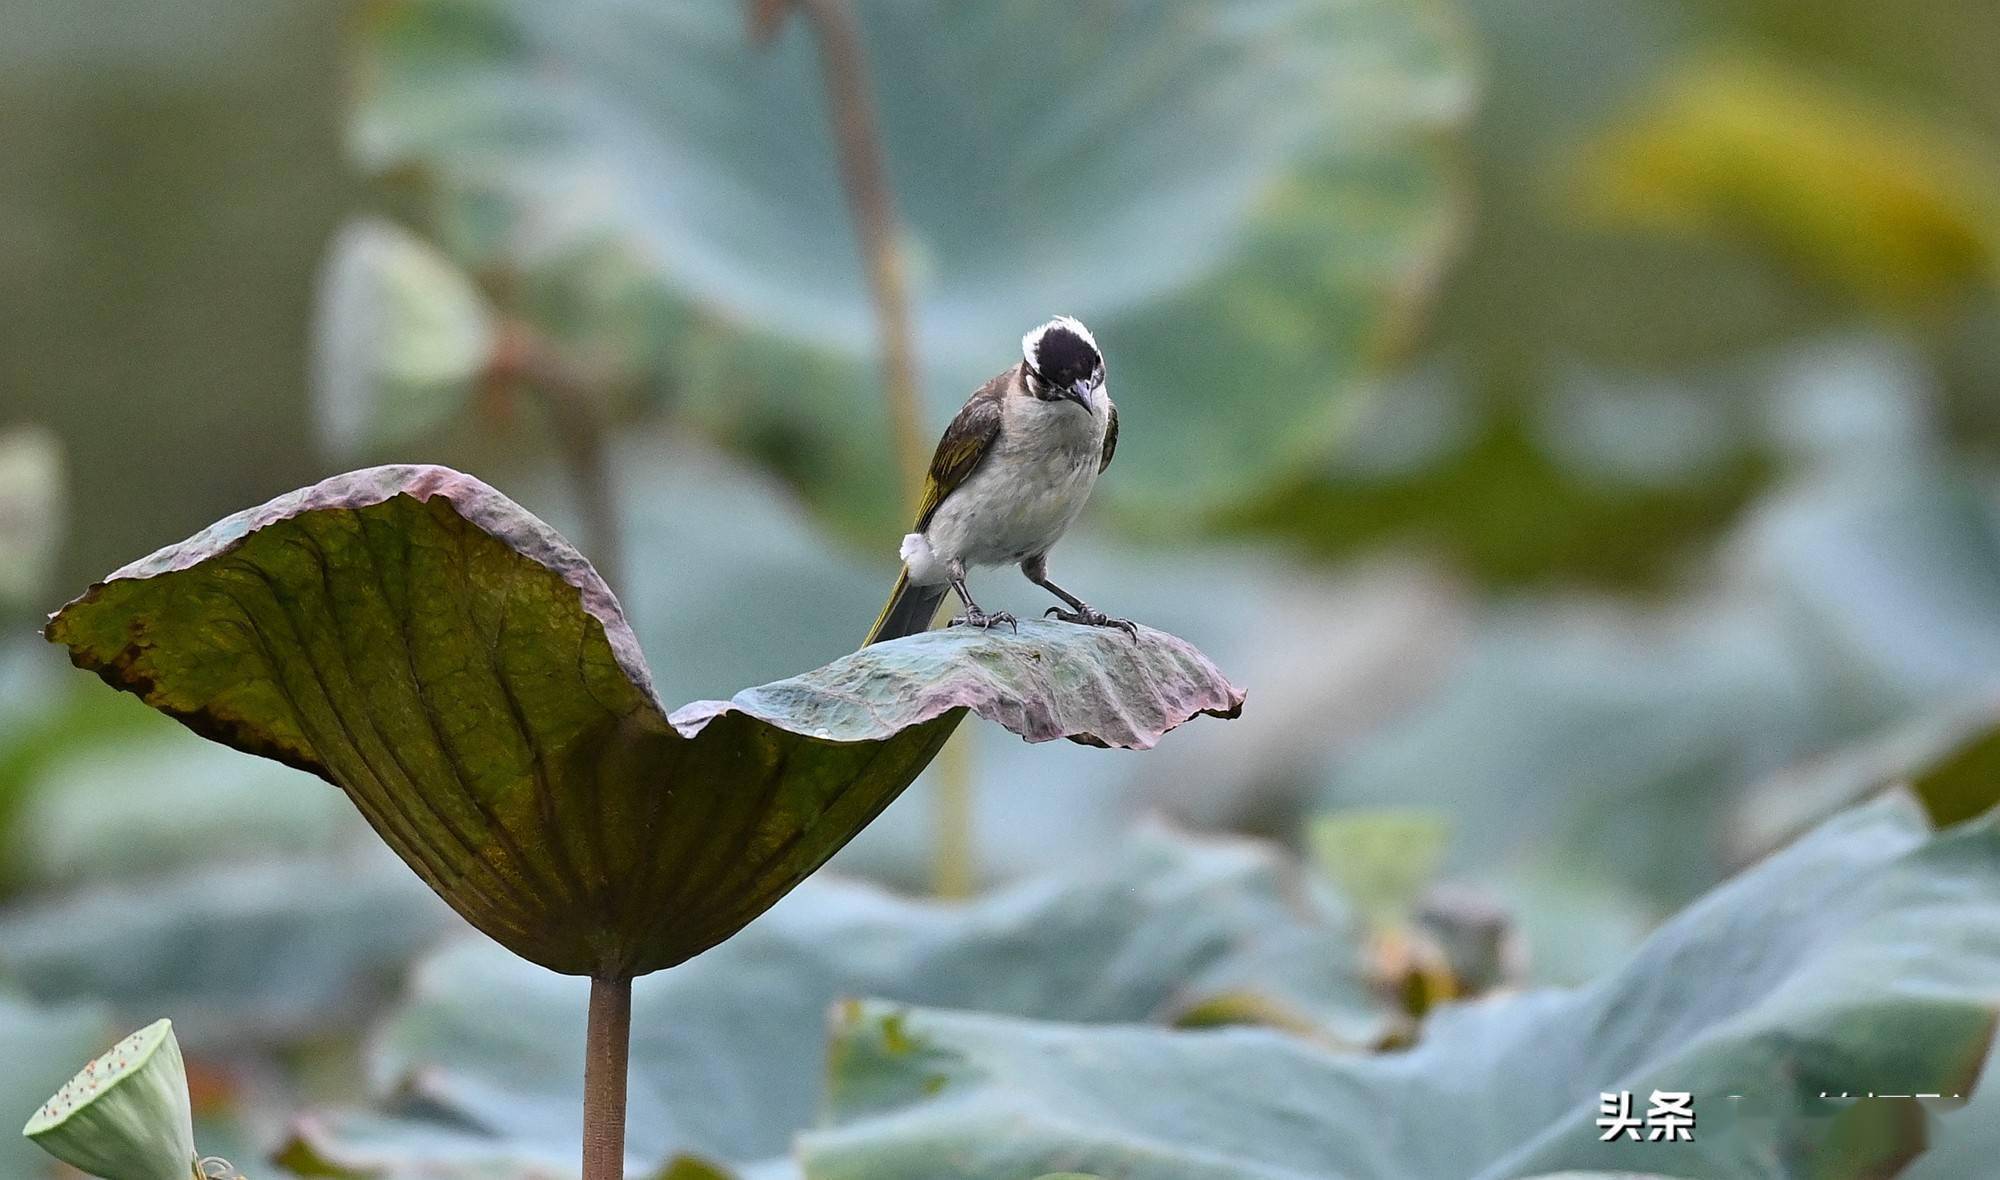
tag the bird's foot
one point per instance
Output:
(1090, 616)
(985, 621)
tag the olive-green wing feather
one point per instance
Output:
(964, 444)
(1110, 441)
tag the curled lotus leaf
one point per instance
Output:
(444, 657)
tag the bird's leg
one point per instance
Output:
(973, 616)
(1037, 569)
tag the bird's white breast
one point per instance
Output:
(1026, 492)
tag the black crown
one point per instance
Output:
(1064, 358)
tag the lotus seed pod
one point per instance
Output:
(125, 1117)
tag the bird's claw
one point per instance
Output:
(974, 617)
(1090, 616)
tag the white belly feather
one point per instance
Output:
(1023, 496)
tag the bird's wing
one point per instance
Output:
(964, 444)
(1110, 440)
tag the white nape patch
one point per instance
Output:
(1031, 343)
(925, 568)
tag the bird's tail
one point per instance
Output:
(910, 610)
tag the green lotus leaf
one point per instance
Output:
(126, 1115)
(1597, 732)
(1250, 242)
(242, 951)
(729, 1050)
(1858, 961)
(148, 853)
(1965, 1142)
(451, 663)
(1950, 759)
(1587, 476)
(1593, 735)
(403, 338)
(118, 806)
(1893, 566)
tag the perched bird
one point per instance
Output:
(1010, 475)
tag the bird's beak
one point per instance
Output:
(1079, 392)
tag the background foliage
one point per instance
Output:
(1573, 419)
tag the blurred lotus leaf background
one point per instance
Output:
(1576, 422)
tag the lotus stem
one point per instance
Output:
(864, 174)
(586, 452)
(607, 1053)
(955, 855)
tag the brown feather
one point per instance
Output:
(1110, 440)
(964, 444)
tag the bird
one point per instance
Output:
(1011, 474)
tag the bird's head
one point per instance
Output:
(1060, 362)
